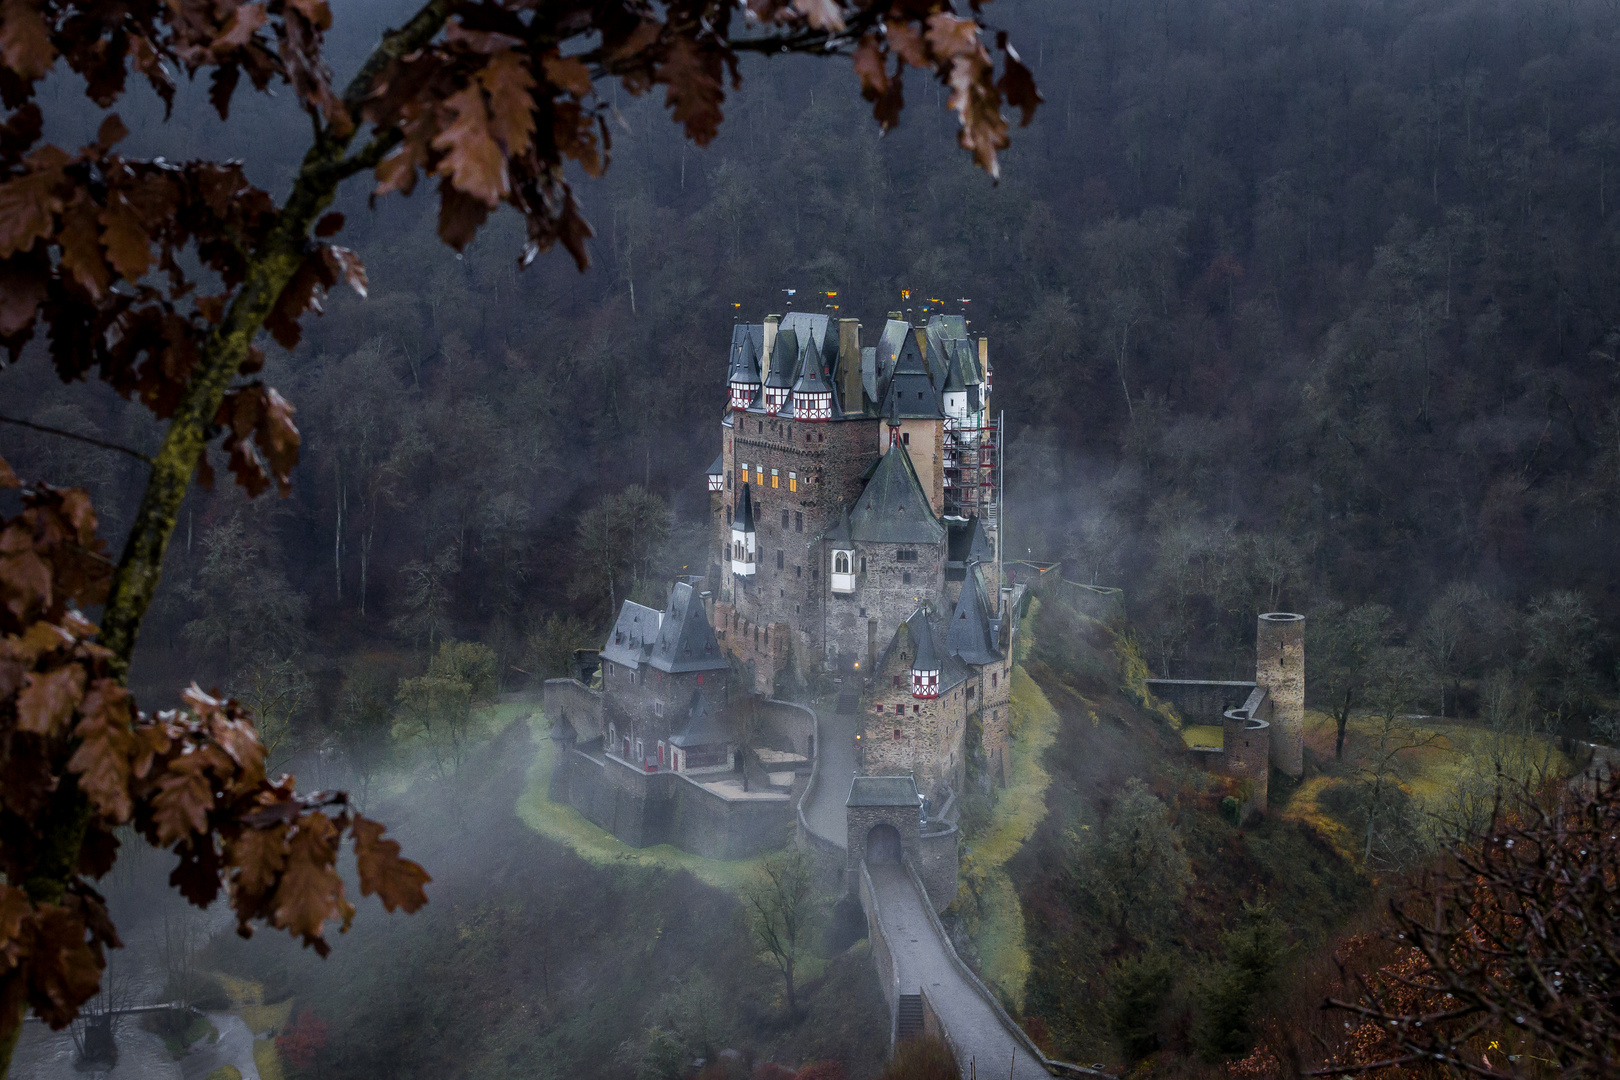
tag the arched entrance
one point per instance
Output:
(883, 844)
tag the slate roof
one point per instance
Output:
(968, 541)
(630, 641)
(926, 659)
(743, 519)
(719, 466)
(869, 372)
(784, 357)
(811, 330)
(893, 508)
(703, 727)
(883, 791)
(810, 380)
(685, 640)
(969, 636)
(912, 392)
(745, 347)
(837, 533)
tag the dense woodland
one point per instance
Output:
(1291, 304)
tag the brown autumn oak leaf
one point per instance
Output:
(568, 73)
(107, 748)
(694, 91)
(183, 798)
(48, 699)
(29, 203)
(510, 86)
(80, 240)
(128, 246)
(397, 882)
(259, 856)
(822, 14)
(244, 23)
(25, 39)
(309, 892)
(66, 970)
(472, 160)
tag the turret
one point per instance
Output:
(1280, 668)
(783, 355)
(925, 666)
(744, 377)
(812, 397)
(744, 542)
(717, 475)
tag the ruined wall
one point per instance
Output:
(1201, 701)
(762, 649)
(1280, 668)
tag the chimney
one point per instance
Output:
(771, 323)
(849, 364)
(984, 358)
(895, 315)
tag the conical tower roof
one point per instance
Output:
(744, 356)
(893, 509)
(784, 357)
(810, 380)
(926, 659)
(743, 519)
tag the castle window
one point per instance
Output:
(779, 559)
(905, 436)
(784, 519)
(907, 577)
(863, 570)
(773, 478)
(897, 733)
(896, 680)
(798, 571)
(970, 693)
(915, 709)
(840, 562)
(793, 481)
(906, 555)
(798, 521)
(993, 679)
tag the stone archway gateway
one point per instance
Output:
(883, 844)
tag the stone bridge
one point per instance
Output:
(866, 834)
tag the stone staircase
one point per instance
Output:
(908, 1023)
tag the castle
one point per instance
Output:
(856, 514)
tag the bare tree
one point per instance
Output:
(780, 906)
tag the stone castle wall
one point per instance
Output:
(652, 704)
(644, 809)
(883, 598)
(824, 461)
(762, 649)
(575, 704)
(936, 863)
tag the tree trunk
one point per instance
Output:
(1343, 719)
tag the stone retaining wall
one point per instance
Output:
(576, 704)
(937, 863)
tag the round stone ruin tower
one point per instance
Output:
(1280, 669)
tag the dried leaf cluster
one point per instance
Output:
(77, 755)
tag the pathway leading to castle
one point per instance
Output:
(921, 961)
(824, 810)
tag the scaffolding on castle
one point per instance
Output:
(972, 470)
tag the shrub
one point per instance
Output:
(1227, 1002)
(1137, 989)
(922, 1058)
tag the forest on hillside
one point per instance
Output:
(1292, 304)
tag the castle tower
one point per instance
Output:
(1280, 669)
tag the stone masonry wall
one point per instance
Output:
(1280, 668)
(764, 648)
(882, 592)
(936, 863)
(906, 821)
(576, 704)
(825, 462)
(654, 703)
